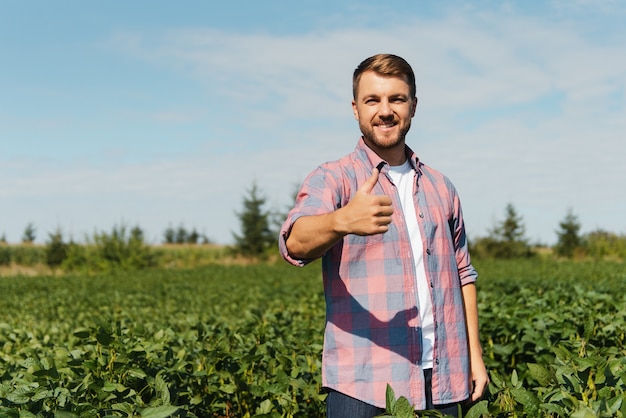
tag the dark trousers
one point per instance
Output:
(339, 405)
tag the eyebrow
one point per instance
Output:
(391, 97)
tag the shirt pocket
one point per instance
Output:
(365, 240)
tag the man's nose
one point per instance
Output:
(384, 108)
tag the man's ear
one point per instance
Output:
(355, 110)
(413, 106)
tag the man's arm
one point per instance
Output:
(365, 214)
(479, 376)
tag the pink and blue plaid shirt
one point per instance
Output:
(373, 335)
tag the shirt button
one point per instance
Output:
(432, 284)
(421, 215)
(436, 361)
(428, 251)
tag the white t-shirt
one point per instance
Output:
(403, 177)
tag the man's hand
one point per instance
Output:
(366, 214)
(480, 378)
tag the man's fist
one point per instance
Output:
(366, 213)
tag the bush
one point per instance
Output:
(122, 250)
(601, 244)
(5, 255)
(28, 255)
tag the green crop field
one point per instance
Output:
(244, 341)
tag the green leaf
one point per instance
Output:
(526, 398)
(104, 337)
(265, 407)
(403, 408)
(478, 410)
(229, 388)
(584, 412)
(390, 400)
(553, 408)
(20, 395)
(109, 387)
(159, 411)
(162, 388)
(124, 407)
(41, 394)
(64, 414)
(497, 381)
(539, 373)
(135, 372)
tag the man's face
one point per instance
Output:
(384, 109)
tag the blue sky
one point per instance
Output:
(158, 113)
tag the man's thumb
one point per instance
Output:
(371, 182)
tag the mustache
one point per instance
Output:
(385, 121)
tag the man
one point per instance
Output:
(400, 294)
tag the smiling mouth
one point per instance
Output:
(386, 126)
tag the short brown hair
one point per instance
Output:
(386, 65)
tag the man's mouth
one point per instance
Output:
(386, 126)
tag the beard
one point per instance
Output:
(384, 141)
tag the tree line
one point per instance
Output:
(505, 240)
(259, 230)
(171, 235)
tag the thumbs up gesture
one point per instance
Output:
(367, 213)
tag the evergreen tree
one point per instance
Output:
(182, 235)
(29, 233)
(568, 235)
(256, 235)
(56, 249)
(169, 235)
(507, 239)
(512, 229)
(193, 237)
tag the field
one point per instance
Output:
(246, 340)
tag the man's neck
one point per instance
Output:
(394, 156)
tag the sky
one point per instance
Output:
(158, 113)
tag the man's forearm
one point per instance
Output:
(480, 378)
(312, 236)
(471, 317)
(364, 214)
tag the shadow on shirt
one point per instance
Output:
(349, 315)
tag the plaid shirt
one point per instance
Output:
(373, 334)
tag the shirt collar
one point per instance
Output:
(367, 154)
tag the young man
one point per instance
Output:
(399, 285)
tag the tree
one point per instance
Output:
(29, 233)
(56, 249)
(169, 235)
(182, 235)
(568, 235)
(505, 240)
(256, 235)
(512, 229)
(3, 238)
(193, 237)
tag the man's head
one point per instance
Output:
(384, 104)
(387, 65)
